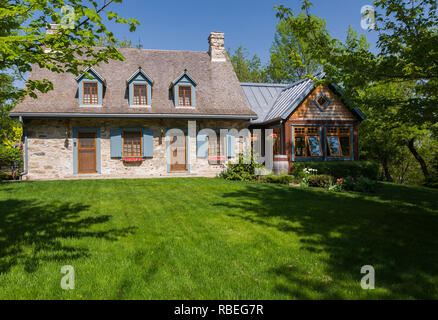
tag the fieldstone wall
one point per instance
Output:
(50, 148)
(216, 42)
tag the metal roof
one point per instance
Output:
(277, 101)
(261, 97)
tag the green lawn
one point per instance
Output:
(213, 239)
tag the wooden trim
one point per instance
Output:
(322, 122)
(338, 134)
(306, 135)
(79, 148)
(123, 144)
(184, 96)
(91, 94)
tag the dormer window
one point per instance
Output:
(140, 95)
(185, 96)
(140, 89)
(90, 88)
(184, 91)
(91, 95)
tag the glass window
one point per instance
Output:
(90, 94)
(314, 146)
(132, 144)
(307, 142)
(216, 148)
(276, 135)
(185, 96)
(140, 94)
(339, 141)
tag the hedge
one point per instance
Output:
(339, 169)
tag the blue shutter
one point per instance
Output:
(148, 143)
(231, 146)
(116, 143)
(201, 145)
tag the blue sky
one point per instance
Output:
(185, 25)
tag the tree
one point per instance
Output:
(71, 48)
(407, 42)
(9, 96)
(292, 57)
(384, 137)
(247, 70)
(107, 42)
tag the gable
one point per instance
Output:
(335, 110)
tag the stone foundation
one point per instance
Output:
(50, 148)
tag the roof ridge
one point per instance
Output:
(263, 84)
(280, 93)
(163, 50)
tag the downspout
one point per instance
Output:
(26, 171)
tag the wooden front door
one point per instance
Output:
(178, 153)
(87, 162)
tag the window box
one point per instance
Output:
(132, 159)
(218, 159)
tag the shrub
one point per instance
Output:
(4, 176)
(282, 179)
(361, 184)
(241, 170)
(432, 182)
(320, 181)
(10, 156)
(305, 175)
(339, 169)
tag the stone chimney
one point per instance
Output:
(52, 29)
(216, 47)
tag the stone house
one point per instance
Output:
(116, 124)
(175, 113)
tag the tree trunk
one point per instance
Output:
(418, 157)
(386, 171)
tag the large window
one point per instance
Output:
(338, 141)
(307, 142)
(132, 144)
(216, 149)
(90, 93)
(140, 94)
(185, 96)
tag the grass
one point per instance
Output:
(214, 239)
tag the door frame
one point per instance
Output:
(187, 152)
(76, 153)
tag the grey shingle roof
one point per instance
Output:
(218, 91)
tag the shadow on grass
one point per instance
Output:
(396, 233)
(32, 232)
